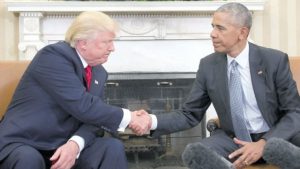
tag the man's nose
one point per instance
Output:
(112, 47)
(213, 33)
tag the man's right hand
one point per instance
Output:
(140, 122)
(65, 156)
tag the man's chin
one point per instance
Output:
(98, 63)
(102, 61)
(219, 50)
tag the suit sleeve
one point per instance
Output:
(287, 124)
(193, 109)
(90, 132)
(55, 71)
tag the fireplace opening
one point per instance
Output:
(157, 94)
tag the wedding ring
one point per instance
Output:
(246, 162)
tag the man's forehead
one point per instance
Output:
(222, 18)
(224, 15)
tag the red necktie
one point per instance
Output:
(88, 76)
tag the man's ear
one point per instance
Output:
(81, 45)
(244, 33)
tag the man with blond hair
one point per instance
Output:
(58, 105)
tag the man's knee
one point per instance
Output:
(221, 143)
(107, 146)
(103, 153)
(115, 145)
(26, 157)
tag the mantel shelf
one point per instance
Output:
(177, 32)
(125, 6)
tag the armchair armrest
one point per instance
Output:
(213, 124)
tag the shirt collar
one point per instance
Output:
(242, 59)
(82, 60)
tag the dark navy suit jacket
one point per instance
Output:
(51, 103)
(274, 88)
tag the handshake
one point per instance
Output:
(140, 122)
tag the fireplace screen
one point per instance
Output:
(156, 96)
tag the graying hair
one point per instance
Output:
(242, 16)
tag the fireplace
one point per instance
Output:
(157, 93)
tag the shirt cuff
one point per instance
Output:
(80, 142)
(125, 120)
(154, 122)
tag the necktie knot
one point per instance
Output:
(234, 65)
(88, 76)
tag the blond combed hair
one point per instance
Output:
(87, 24)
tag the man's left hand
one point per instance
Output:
(65, 156)
(248, 154)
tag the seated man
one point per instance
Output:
(252, 90)
(57, 107)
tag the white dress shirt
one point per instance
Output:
(254, 118)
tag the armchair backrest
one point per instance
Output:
(295, 68)
(10, 74)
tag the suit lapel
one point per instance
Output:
(222, 80)
(78, 65)
(258, 76)
(98, 81)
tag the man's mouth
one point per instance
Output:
(216, 44)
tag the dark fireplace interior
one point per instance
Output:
(156, 93)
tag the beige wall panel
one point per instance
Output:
(9, 33)
(291, 37)
(2, 41)
(297, 27)
(257, 30)
(283, 25)
(278, 26)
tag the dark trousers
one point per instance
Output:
(223, 144)
(103, 153)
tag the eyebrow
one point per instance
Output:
(218, 26)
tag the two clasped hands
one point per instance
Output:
(140, 122)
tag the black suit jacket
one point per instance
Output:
(51, 103)
(275, 91)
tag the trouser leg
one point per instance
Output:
(23, 157)
(210, 153)
(221, 143)
(103, 153)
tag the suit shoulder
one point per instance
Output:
(60, 47)
(268, 53)
(100, 68)
(213, 58)
(59, 50)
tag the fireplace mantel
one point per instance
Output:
(125, 6)
(180, 30)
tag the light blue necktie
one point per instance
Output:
(236, 104)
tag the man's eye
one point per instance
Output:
(220, 27)
(107, 42)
